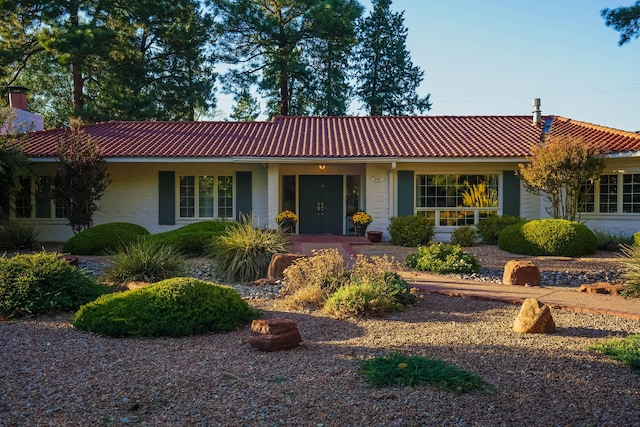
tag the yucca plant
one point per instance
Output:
(244, 252)
(632, 276)
(145, 260)
(18, 235)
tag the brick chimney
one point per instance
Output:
(18, 97)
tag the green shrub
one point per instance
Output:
(398, 369)
(626, 350)
(308, 282)
(490, 228)
(193, 239)
(145, 260)
(610, 242)
(631, 277)
(18, 236)
(443, 258)
(636, 239)
(173, 307)
(464, 236)
(43, 283)
(244, 253)
(410, 231)
(104, 238)
(558, 237)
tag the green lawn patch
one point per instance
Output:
(626, 350)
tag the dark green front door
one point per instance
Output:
(320, 199)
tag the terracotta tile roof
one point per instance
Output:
(333, 137)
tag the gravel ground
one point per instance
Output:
(52, 374)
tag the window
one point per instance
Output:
(612, 193)
(456, 200)
(608, 199)
(631, 193)
(214, 196)
(35, 199)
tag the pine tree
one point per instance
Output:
(246, 108)
(387, 79)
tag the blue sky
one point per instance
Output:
(492, 57)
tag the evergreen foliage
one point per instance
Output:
(410, 231)
(625, 20)
(388, 80)
(13, 162)
(556, 237)
(104, 238)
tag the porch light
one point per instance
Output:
(322, 167)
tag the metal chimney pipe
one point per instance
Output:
(537, 112)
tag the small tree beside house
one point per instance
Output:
(81, 178)
(559, 167)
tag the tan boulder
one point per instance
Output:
(601, 288)
(274, 334)
(518, 272)
(279, 262)
(534, 318)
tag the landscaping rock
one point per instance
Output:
(274, 334)
(279, 262)
(534, 318)
(518, 272)
(601, 288)
(71, 259)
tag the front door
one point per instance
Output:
(321, 204)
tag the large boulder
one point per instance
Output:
(518, 272)
(274, 334)
(279, 263)
(534, 318)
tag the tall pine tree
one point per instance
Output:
(387, 79)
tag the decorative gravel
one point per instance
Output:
(52, 374)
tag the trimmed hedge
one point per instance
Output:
(43, 283)
(636, 238)
(557, 237)
(173, 307)
(193, 239)
(102, 239)
(410, 231)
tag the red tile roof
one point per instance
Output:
(334, 137)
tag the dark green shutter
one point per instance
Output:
(166, 198)
(406, 191)
(511, 194)
(243, 194)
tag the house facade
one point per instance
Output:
(165, 175)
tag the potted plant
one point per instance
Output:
(287, 221)
(361, 221)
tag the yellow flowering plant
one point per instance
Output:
(361, 218)
(286, 218)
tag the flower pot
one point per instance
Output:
(374, 236)
(360, 230)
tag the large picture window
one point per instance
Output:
(456, 200)
(208, 195)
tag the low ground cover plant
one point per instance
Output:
(398, 369)
(558, 237)
(173, 307)
(101, 239)
(443, 258)
(490, 228)
(410, 231)
(145, 260)
(16, 236)
(611, 242)
(626, 350)
(193, 239)
(243, 254)
(43, 283)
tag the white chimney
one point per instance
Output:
(537, 112)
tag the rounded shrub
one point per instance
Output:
(173, 307)
(193, 239)
(410, 231)
(490, 228)
(464, 236)
(43, 283)
(636, 238)
(558, 237)
(443, 258)
(104, 238)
